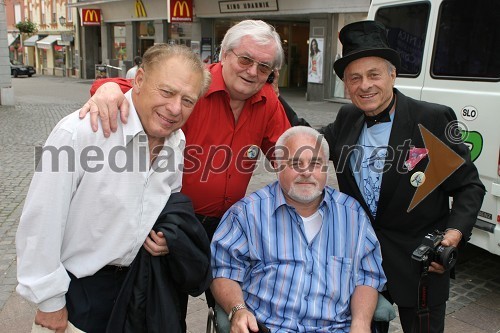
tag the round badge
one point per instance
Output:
(417, 179)
(253, 151)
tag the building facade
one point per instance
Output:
(53, 48)
(115, 31)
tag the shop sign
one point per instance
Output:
(248, 6)
(181, 11)
(140, 11)
(91, 17)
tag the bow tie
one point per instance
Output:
(382, 117)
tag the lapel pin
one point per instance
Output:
(417, 179)
(253, 152)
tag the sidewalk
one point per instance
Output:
(474, 304)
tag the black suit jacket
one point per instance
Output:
(398, 231)
(149, 298)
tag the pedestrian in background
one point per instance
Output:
(131, 72)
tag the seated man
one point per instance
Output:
(297, 255)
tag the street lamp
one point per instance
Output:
(62, 20)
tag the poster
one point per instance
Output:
(206, 50)
(315, 64)
(195, 46)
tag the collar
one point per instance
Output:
(280, 197)
(133, 125)
(382, 117)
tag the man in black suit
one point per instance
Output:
(370, 141)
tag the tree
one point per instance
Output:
(27, 27)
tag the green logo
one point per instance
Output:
(474, 140)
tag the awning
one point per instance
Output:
(31, 41)
(89, 3)
(47, 42)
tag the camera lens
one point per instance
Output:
(446, 256)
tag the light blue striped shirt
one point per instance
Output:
(289, 284)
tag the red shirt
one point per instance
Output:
(218, 164)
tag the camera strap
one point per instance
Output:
(423, 320)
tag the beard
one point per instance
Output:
(300, 194)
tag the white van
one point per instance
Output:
(450, 54)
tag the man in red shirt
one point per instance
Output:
(239, 114)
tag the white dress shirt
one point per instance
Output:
(96, 210)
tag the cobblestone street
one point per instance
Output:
(474, 305)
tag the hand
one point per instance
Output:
(244, 321)
(56, 321)
(105, 103)
(156, 244)
(451, 237)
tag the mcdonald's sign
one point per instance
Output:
(140, 11)
(91, 17)
(181, 10)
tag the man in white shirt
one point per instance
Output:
(93, 201)
(132, 71)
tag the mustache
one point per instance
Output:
(310, 179)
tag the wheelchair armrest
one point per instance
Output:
(384, 310)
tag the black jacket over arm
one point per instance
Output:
(149, 298)
(399, 231)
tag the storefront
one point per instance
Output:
(121, 30)
(299, 23)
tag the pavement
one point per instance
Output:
(474, 304)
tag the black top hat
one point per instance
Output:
(364, 39)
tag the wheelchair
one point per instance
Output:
(217, 321)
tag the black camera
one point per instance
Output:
(432, 250)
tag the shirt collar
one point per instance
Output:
(280, 197)
(133, 125)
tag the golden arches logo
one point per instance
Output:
(180, 6)
(91, 16)
(140, 11)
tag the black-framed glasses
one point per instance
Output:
(246, 62)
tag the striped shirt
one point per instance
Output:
(289, 284)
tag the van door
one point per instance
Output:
(464, 73)
(450, 54)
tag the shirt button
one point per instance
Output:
(306, 298)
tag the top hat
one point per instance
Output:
(364, 39)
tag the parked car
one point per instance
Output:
(16, 69)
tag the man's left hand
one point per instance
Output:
(156, 244)
(452, 237)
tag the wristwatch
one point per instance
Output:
(234, 309)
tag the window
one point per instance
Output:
(119, 49)
(468, 40)
(406, 29)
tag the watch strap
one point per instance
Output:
(234, 309)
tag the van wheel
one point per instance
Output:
(15, 73)
(30, 75)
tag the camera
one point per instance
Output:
(432, 250)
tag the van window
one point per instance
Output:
(468, 40)
(406, 28)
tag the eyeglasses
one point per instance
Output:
(246, 62)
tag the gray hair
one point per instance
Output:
(161, 52)
(261, 32)
(280, 150)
